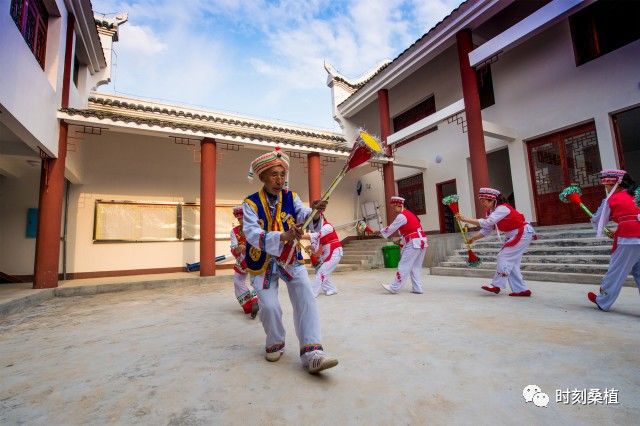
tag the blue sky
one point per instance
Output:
(256, 57)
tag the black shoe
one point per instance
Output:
(254, 310)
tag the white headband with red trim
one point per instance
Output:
(396, 201)
(611, 176)
(488, 193)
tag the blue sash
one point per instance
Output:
(285, 215)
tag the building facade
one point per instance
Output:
(526, 97)
(97, 185)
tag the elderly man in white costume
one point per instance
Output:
(269, 224)
(413, 250)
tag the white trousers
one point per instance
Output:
(240, 286)
(411, 259)
(243, 293)
(508, 264)
(323, 274)
(625, 260)
(305, 312)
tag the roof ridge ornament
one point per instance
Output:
(357, 82)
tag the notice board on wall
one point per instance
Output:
(135, 222)
(128, 221)
(191, 221)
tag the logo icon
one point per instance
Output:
(541, 399)
(533, 393)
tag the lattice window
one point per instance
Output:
(583, 158)
(31, 18)
(548, 168)
(412, 190)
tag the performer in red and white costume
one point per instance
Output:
(326, 245)
(620, 207)
(413, 250)
(517, 235)
(247, 298)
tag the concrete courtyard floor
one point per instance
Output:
(187, 355)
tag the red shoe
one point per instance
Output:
(592, 297)
(491, 289)
(525, 293)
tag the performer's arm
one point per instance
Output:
(486, 225)
(234, 244)
(302, 212)
(258, 237)
(490, 222)
(400, 220)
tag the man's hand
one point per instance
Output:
(241, 248)
(319, 205)
(293, 233)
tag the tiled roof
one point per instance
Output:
(422, 39)
(130, 110)
(359, 84)
(105, 24)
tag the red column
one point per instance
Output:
(387, 168)
(475, 134)
(47, 257)
(45, 269)
(208, 208)
(313, 160)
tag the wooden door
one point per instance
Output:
(558, 160)
(447, 221)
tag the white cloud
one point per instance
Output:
(139, 40)
(260, 57)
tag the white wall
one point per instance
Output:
(17, 195)
(440, 77)
(133, 167)
(28, 93)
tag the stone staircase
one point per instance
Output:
(562, 253)
(363, 253)
(359, 254)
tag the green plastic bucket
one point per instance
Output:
(391, 256)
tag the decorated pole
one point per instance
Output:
(364, 148)
(451, 201)
(572, 194)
